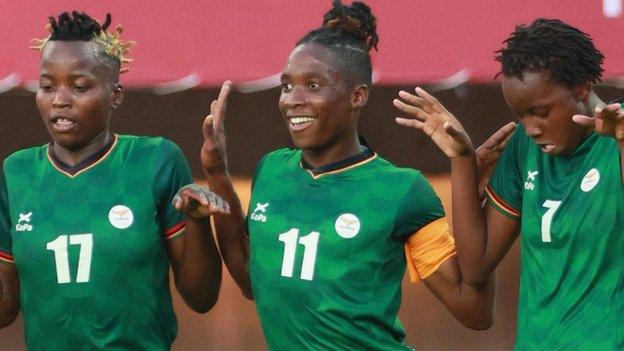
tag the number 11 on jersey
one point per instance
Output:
(310, 244)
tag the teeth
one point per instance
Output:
(298, 120)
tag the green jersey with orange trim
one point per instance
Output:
(89, 244)
(571, 213)
(327, 255)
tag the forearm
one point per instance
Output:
(231, 232)
(9, 295)
(469, 226)
(197, 266)
(477, 304)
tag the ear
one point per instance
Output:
(359, 96)
(581, 91)
(117, 95)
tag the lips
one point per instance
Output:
(62, 124)
(547, 148)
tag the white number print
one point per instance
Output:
(547, 218)
(310, 244)
(60, 246)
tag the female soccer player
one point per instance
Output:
(87, 221)
(323, 246)
(558, 184)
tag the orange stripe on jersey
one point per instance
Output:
(500, 203)
(5, 257)
(175, 231)
(428, 249)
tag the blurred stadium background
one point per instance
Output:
(187, 48)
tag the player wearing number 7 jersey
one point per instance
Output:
(558, 184)
(87, 222)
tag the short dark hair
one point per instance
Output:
(567, 53)
(349, 32)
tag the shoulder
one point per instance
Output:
(281, 156)
(30, 156)
(159, 147)
(398, 175)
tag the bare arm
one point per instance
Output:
(9, 297)
(482, 240)
(231, 229)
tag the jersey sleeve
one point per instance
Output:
(420, 207)
(6, 242)
(504, 190)
(253, 182)
(171, 173)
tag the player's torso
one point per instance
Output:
(323, 253)
(572, 246)
(87, 247)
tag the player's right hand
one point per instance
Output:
(489, 153)
(213, 154)
(430, 116)
(198, 201)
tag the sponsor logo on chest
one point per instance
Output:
(528, 184)
(590, 180)
(23, 222)
(347, 225)
(120, 216)
(259, 213)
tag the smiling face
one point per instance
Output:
(545, 108)
(77, 91)
(318, 106)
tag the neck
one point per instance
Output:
(75, 156)
(333, 153)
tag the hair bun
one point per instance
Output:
(356, 20)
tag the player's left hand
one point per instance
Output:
(430, 116)
(198, 201)
(489, 153)
(607, 120)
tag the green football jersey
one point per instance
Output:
(90, 246)
(571, 213)
(327, 255)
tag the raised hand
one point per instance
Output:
(607, 120)
(198, 201)
(213, 153)
(430, 116)
(489, 152)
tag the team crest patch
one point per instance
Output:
(590, 180)
(347, 225)
(121, 217)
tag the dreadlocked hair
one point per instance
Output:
(350, 32)
(568, 54)
(81, 27)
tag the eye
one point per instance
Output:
(80, 88)
(542, 113)
(314, 85)
(46, 87)
(286, 87)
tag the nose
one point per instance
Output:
(293, 98)
(62, 98)
(531, 127)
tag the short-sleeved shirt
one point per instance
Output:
(571, 213)
(90, 245)
(327, 256)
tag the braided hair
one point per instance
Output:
(81, 27)
(350, 32)
(568, 54)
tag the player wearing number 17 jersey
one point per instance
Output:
(87, 224)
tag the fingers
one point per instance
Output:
(414, 111)
(451, 130)
(413, 123)
(584, 120)
(199, 201)
(429, 99)
(499, 139)
(218, 109)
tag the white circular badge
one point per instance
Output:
(120, 217)
(347, 225)
(590, 180)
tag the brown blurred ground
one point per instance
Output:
(233, 323)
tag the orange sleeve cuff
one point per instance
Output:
(427, 249)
